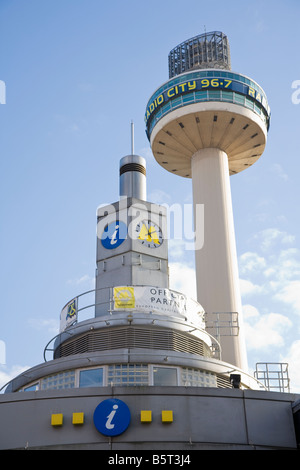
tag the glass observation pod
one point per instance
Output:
(206, 85)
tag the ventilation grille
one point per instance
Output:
(223, 381)
(131, 337)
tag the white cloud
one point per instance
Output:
(6, 375)
(269, 237)
(292, 358)
(249, 311)
(290, 294)
(251, 262)
(158, 196)
(263, 331)
(176, 249)
(249, 288)
(183, 279)
(283, 266)
(276, 272)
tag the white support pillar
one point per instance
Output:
(217, 276)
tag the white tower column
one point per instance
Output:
(217, 276)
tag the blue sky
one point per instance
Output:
(76, 73)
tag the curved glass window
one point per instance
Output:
(126, 375)
(59, 381)
(166, 97)
(32, 388)
(197, 378)
(203, 74)
(164, 376)
(208, 95)
(91, 377)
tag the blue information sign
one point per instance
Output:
(114, 234)
(112, 417)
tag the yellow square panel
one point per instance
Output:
(78, 418)
(167, 416)
(57, 419)
(146, 416)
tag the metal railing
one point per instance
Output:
(89, 300)
(224, 323)
(87, 307)
(274, 376)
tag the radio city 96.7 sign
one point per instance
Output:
(202, 84)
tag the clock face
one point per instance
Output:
(149, 234)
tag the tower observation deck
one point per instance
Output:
(207, 123)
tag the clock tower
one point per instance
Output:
(132, 248)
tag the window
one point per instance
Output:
(91, 378)
(227, 96)
(32, 388)
(188, 98)
(197, 378)
(239, 99)
(257, 109)
(201, 96)
(176, 102)
(214, 95)
(166, 108)
(127, 374)
(249, 103)
(164, 375)
(59, 381)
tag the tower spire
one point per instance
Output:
(132, 137)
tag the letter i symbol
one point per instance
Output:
(110, 417)
(114, 236)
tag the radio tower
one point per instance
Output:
(207, 123)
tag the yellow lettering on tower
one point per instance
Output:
(160, 99)
(182, 85)
(251, 92)
(192, 85)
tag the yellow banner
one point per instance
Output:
(124, 297)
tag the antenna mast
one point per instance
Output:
(132, 138)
